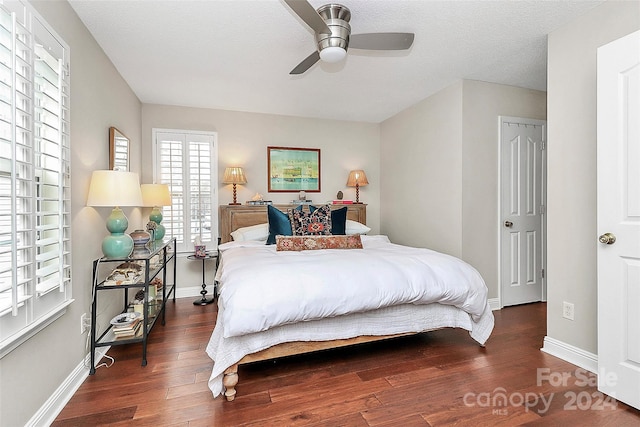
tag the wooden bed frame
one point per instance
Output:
(234, 217)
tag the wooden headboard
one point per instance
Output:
(233, 217)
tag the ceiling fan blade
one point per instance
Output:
(304, 10)
(381, 41)
(306, 63)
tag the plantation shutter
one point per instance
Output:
(185, 161)
(35, 193)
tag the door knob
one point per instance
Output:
(508, 223)
(607, 238)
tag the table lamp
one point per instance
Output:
(234, 175)
(156, 195)
(357, 178)
(112, 188)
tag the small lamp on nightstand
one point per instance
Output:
(155, 196)
(234, 175)
(357, 178)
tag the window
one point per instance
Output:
(187, 162)
(35, 200)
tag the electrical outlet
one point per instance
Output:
(84, 323)
(567, 310)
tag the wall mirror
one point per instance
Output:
(118, 150)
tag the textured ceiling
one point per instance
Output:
(236, 55)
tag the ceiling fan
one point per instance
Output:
(333, 34)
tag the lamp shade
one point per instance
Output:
(357, 177)
(234, 175)
(110, 188)
(155, 195)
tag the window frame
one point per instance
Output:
(185, 244)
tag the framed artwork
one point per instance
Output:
(293, 169)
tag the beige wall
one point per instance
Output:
(483, 103)
(243, 139)
(99, 98)
(421, 167)
(439, 160)
(571, 197)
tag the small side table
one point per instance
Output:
(204, 300)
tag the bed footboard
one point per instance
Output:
(230, 377)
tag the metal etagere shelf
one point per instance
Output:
(154, 260)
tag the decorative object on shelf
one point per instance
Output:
(302, 196)
(140, 252)
(293, 169)
(357, 178)
(156, 196)
(339, 195)
(111, 188)
(126, 273)
(234, 175)
(151, 229)
(157, 282)
(200, 250)
(257, 198)
(140, 238)
(125, 319)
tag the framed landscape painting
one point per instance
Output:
(293, 169)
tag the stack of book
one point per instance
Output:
(343, 202)
(131, 330)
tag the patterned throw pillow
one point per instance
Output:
(279, 223)
(313, 223)
(310, 243)
(338, 219)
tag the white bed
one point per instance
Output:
(346, 296)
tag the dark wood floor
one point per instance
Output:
(432, 379)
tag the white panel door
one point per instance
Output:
(619, 217)
(522, 205)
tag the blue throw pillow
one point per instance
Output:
(279, 224)
(338, 220)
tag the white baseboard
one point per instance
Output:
(48, 412)
(571, 354)
(494, 303)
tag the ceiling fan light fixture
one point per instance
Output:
(333, 54)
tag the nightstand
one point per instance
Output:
(204, 300)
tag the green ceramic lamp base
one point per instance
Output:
(156, 216)
(118, 244)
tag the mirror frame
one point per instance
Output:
(118, 150)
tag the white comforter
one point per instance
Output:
(279, 288)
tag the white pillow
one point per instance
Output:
(354, 227)
(255, 232)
